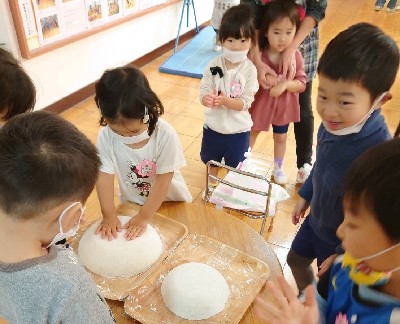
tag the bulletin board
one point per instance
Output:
(44, 25)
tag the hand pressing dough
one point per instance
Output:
(119, 257)
(195, 291)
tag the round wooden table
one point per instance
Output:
(221, 226)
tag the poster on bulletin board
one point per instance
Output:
(45, 22)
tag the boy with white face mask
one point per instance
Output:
(227, 90)
(356, 71)
(48, 168)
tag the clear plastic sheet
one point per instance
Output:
(172, 233)
(227, 196)
(244, 274)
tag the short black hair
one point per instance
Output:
(237, 22)
(362, 54)
(123, 93)
(373, 180)
(44, 162)
(276, 10)
(17, 91)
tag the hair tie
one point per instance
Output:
(146, 116)
(302, 12)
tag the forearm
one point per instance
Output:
(293, 85)
(306, 27)
(157, 195)
(105, 193)
(233, 103)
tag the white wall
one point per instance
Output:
(65, 70)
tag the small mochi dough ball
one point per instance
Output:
(119, 258)
(195, 291)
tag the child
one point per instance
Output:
(307, 41)
(47, 171)
(227, 90)
(142, 150)
(278, 105)
(362, 286)
(17, 92)
(220, 7)
(356, 71)
(391, 6)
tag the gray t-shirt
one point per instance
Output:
(51, 289)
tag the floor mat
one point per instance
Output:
(192, 59)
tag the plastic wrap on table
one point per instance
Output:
(227, 196)
(171, 232)
(244, 274)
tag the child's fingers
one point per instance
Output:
(310, 299)
(278, 295)
(109, 233)
(119, 228)
(295, 218)
(264, 310)
(287, 290)
(134, 232)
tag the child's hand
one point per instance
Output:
(220, 100)
(277, 90)
(208, 99)
(299, 210)
(271, 80)
(326, 265)
(135, 227)
(287, 309)
(109, 228)
(263, 70)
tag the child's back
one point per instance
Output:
(47, 171)
(54, 288)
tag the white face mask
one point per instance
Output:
(234, 56)
(61, 235)
(357, 127)
(134, 139)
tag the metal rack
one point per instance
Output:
(186, 4)
(267, 193)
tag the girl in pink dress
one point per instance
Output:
(279, 105)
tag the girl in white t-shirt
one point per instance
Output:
(140, 149)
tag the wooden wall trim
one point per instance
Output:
(84, 93)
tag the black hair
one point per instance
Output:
(373, 180)
(44, 162)
(274, 11)
(17, 91)
(397, 131)
(237, 22)
(362, 54)
(123, 93)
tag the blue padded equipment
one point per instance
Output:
(192, 59)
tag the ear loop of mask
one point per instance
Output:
(146, 116)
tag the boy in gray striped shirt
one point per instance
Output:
(48, 168)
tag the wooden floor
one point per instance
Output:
(180, 96)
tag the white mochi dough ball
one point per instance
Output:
(195, 291)
(119, 257)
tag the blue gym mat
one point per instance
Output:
(193, 58)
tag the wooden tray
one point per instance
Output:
(244, 274)
(172, 233)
